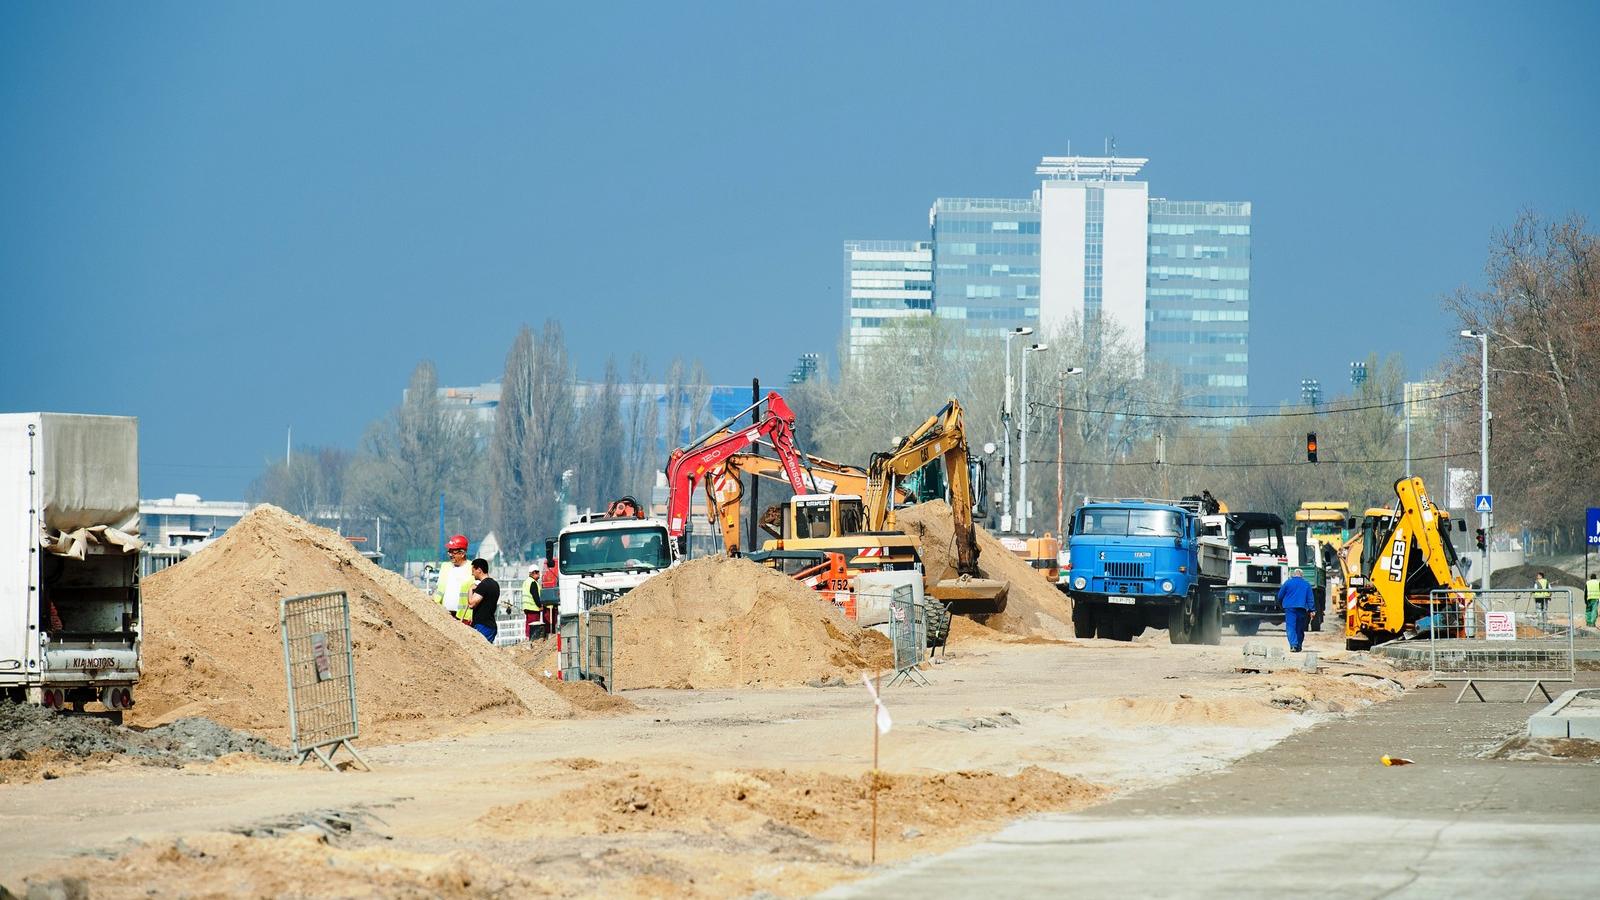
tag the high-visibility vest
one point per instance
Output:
(463, 611)
(530, 599)
(1592, 589)
(1541, 589)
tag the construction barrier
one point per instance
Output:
(585, 649)
(320, 669)
(511, 626)
(908, 631)
(1502, 635)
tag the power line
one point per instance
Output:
(1206, 465)
(1272, 415)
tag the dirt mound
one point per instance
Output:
(727, 623)
(212, 646)
(1523, 576)
(968, 631)
(1033, 605)
(825, 806)
(39, 743)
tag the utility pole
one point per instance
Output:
(1022, 507)
(1484, 519)
(1005, 422)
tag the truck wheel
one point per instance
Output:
(1210, 625)
(1124, 624)
(1178, 631)
(1246, 627)
(1083, 616)
(938, 624)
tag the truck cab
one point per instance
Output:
(1258, 566)
(1132, 564)
(598, 558)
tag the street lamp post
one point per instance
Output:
(1061, 447)
(1005, 422)
(1022, 505)
(1484, 519)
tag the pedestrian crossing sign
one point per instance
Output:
(1484, 503)
(1593, 529)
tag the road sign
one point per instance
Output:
(1484, 503)
(1592, 529)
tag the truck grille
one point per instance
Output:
(1263, 574)
(596, 596)
(1124, 570)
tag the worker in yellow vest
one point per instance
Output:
(1591, 600)
(455, 581)
(1541, 596)
(530, 602)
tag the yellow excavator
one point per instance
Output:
(1401, 555)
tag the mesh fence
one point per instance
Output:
(908, 631)
(586, 649)
(319, 667)
(1499, 635)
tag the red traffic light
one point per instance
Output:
(1311, 446)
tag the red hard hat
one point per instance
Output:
(457, 542)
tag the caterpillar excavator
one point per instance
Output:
(1401, 555)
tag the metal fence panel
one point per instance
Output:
(1502, 635)
(586, 649)
(511, 627)
(908, 631)
(320, 671)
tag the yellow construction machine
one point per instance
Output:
(1401, 555)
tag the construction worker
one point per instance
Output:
(455, 580)
(1541, 595)
(483, 601)
(530, 601)
(1295, 596)
(1591, 599)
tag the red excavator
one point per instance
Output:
(689, 466)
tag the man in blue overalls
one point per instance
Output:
(1295, 598)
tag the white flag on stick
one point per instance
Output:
(884, 722)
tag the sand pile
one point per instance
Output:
(1033, 605)
(729, 623)
(212, 647)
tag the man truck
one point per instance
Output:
(70, 616)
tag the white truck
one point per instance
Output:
(599, 558)
(70, 614)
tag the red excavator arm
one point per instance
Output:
(688, 466)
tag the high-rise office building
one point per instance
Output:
(986, 262)
(1091, 245)
(1096, 220)
(884, 281)
(1198, 298)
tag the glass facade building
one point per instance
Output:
(1198, 297)
(884, 281)
(986, 262)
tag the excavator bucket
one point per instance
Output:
(969, 595)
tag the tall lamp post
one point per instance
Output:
(1022, 505)
(1484, 519)
(1005, 422)
(1061, 447)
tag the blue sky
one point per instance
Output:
(231, 218)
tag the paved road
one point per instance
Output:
(1314, 814)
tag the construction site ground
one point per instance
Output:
(1481, 812)
(722, 793)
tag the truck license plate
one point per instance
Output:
(1127, 600)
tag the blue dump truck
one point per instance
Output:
(1138, 563)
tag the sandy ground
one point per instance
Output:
(701, 793)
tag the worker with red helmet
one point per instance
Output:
(455, 580)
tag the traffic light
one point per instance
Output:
(1481, 541)
(1311, 446)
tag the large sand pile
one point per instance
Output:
(728, 623)
(1033, 605)
(212, 646)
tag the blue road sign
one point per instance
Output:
(1484, 503)
(1592, 528)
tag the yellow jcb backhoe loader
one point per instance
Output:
(1405, 555)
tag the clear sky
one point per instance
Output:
(230, 218)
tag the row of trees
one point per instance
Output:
(1122, 427)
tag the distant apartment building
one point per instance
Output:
(1091, 245)
(884, 281)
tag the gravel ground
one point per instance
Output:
(27, 729)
